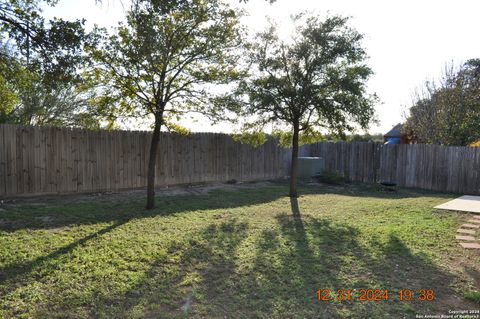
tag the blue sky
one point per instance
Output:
(408, 41)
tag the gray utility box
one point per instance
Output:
(309, 166)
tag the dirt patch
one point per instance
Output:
(125, 195)
(6, 223)
(45, 219)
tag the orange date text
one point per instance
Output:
(374, 295)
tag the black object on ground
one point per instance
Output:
(389, 186)
(388, 183)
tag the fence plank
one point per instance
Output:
(3, 162)
(36, 160)
(433, 167)
(40, 160)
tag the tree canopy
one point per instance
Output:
(317, 80)
(52, 47)
(448, 111)
(43, 59)
(161, 62)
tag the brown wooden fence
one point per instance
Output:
(42, 160)
(431, 167)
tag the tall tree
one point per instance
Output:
(14, 77)
(39, 63)
(316, 80)
(448, 111)
(162, 60)
(54, 46)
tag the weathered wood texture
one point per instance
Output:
(431, 167)
(44, 160)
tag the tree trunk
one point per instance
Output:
(294, 168)
(152, 162)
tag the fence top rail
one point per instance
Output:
(107, 131)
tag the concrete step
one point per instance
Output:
(466, 231)
(460, 237)
(470, 245)
(470, 226)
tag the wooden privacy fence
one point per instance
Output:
(44, 160)
(431, 167)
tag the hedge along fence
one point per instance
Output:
(45, 160)
(431, 167)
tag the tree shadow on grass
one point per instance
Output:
(232, 269)
(64, 214)
(203, 270)
(206, 276)
(18, 274)
(15, 275)
(358, 189)
(335, 256)
(60, 215)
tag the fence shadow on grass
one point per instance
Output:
(357, 189)
(87, 213)
(93, 212)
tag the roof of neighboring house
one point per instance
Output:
(393, 140)
(396, 131)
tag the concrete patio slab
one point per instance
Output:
(465, 203)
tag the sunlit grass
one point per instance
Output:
(252, 253)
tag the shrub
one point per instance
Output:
(331, 177)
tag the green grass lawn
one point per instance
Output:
(250, 253)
